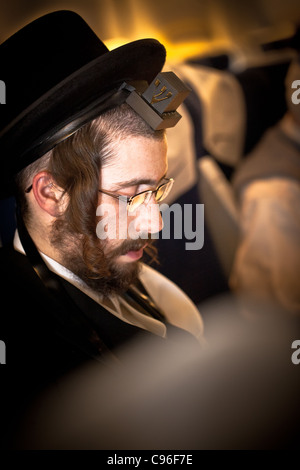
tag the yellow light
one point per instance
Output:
(176, 52)
(113, 43)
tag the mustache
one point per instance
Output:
(131, 245)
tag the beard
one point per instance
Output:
(108, 276)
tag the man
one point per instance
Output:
(267, 261)
(79, 140)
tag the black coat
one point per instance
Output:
(47, 337)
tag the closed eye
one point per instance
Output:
(136, 184)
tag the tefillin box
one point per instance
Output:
(158, 103)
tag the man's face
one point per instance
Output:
(140, 164)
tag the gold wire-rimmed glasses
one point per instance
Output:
(133, 202)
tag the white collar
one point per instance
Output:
(117, 305)
(176, 305)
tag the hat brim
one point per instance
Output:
(32, 130)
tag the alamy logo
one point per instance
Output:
(2, 352)
(179, 222)
(2, 92)
(296, 94)
(296, 354)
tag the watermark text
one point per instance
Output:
(2, 352)
(152, 221)
(296, 354)
(2, 92)
(296, 95)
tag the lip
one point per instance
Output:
(134, 255)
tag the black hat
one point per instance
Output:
(57, 74)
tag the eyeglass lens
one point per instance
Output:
(160, 194)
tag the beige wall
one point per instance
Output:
(179, 23)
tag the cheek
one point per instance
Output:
(112, 222)
(128, 227)
(115, 224)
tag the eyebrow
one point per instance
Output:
(137, 182)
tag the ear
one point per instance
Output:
(50, 197)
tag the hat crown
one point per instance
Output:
(31, 66)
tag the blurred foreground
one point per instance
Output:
(241, 391)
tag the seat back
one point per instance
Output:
(221, 212)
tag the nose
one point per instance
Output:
(148, 218)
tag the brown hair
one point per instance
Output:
(75, 166)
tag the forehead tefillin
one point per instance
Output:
(157, 103)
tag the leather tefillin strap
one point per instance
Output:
(139, 295)
(61, 299)
(156, 104)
